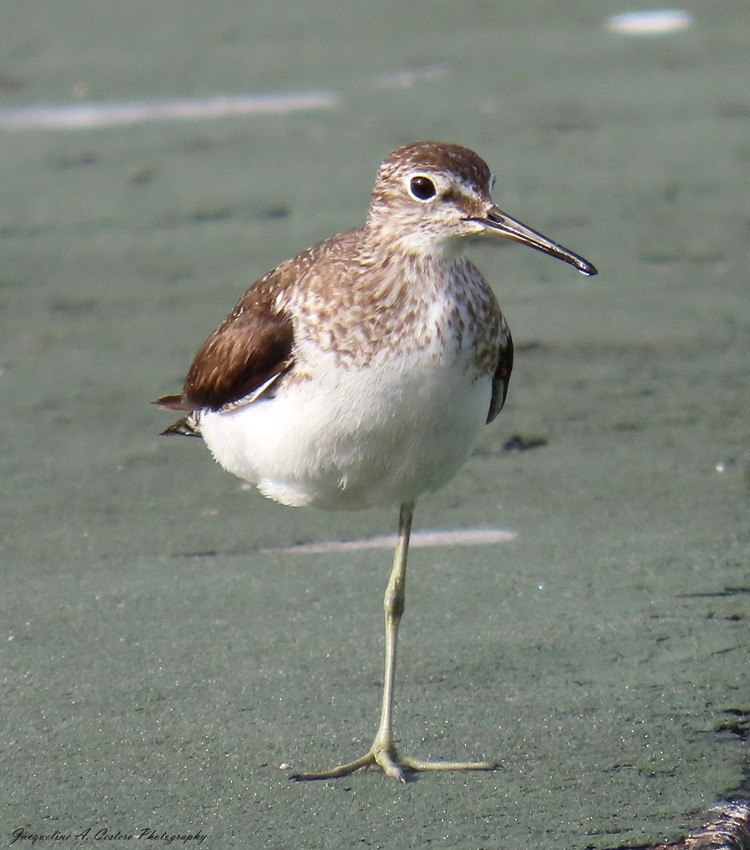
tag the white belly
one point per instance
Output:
(355, 438)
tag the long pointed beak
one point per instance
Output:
(497, 221)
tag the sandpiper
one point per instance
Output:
(361, 372)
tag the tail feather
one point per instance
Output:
(188, 426)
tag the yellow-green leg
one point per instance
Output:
(383, 751)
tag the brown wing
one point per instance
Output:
(249, 347)
(501, 377)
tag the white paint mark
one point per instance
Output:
(419, 539)
(408, 77)
(73, 116)
(653, 22)
(93, 114)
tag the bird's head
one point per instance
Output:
(432, 197)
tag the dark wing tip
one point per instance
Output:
(501, 378)
(172, 402)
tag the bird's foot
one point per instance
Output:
(394, 765)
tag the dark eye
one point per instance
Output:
(422, 188)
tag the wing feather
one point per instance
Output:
(246, 354)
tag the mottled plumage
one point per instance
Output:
(362, 371)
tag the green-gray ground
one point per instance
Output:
(157, 666)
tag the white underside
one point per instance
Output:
(353, 438)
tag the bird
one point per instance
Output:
(361, 372)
